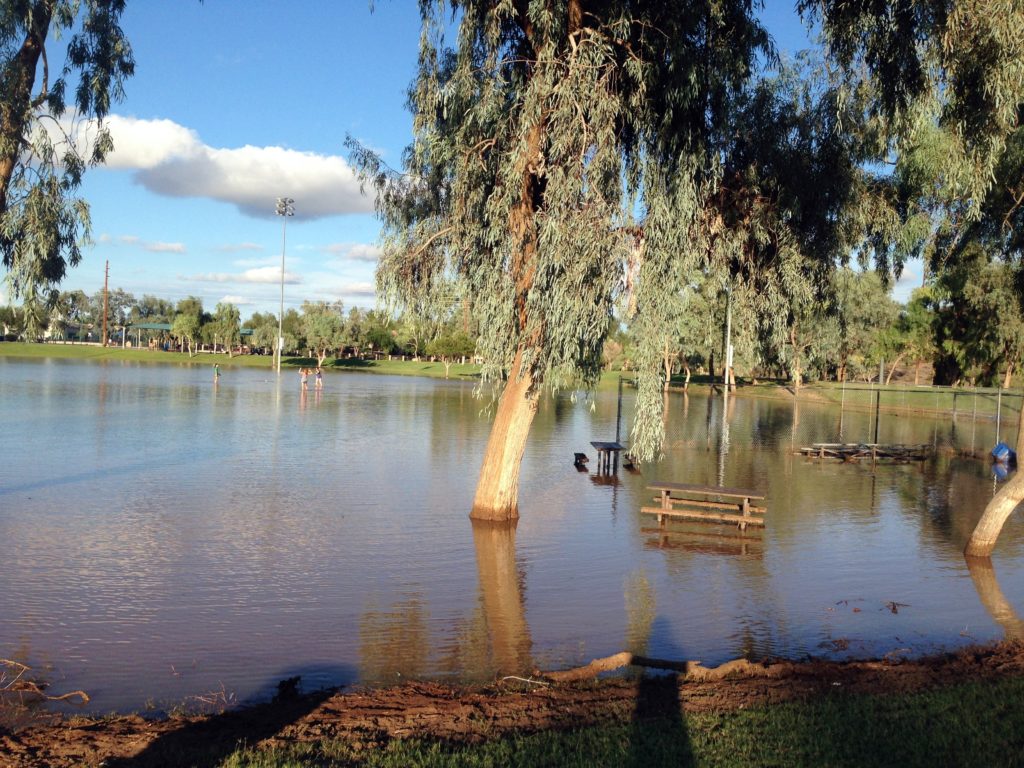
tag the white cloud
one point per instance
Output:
(171, 160)
(236, 300)
(355, 251)
(265, 261)
(146, 245)
(236, 247)
(164, 247)
(255, 275)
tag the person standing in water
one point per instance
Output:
(303, 375)
(319, 378)
(216, 373)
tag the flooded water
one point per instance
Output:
(162, 538)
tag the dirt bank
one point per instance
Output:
(371, 717)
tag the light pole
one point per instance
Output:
(285, 208)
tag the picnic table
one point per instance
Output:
(709, 503)
(607, 455)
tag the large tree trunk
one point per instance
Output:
(986, 533)
(1008, 378)
(18, 79)
(497, 491)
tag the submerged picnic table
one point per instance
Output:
(897, 452)
(607, 455)
(710, 503)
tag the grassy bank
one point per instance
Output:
(292, 364)
(976, 724)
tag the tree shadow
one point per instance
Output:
(209, 740)
(351, 362)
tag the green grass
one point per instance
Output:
(976, 724)
(96, 353)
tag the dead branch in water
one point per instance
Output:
(12, 680)
(692, 670)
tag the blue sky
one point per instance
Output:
(234, 104)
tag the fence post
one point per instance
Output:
(878, 410)
(999, 414)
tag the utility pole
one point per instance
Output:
(106, 282)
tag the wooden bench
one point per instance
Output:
(710, 503)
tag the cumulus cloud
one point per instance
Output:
(236, 300)
(355, 251)
(255, 275)
(164, 247)
(169, 159)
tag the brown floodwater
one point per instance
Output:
(162, 538)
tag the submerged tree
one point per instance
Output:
(43, 154)
(555, 142)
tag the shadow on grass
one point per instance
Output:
(659, 734)
(210, 740)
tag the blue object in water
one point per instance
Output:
(1000, 471)
(1003, 453)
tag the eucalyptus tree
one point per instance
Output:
(979, 323)
(152, 309)
(43, 154)
(323, 327)
(450, 345)
(952, 66)
(188, 322)
(542, 135)
(226, 326)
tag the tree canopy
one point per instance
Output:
(43, 155)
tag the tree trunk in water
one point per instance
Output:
(686, 384)
(667, 362)
(497, 491)
(502, 595)
(986, 533)
(917, 372)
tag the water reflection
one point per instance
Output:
(237, 534)
(501, 593)
(983, 575)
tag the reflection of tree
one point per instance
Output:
(393, 644)
(501, 594)
(984, 577)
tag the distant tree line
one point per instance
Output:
(318, 329)
(963, 326)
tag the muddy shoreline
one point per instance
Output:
(371, 717)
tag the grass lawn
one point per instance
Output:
(97, 353)
(975, 724)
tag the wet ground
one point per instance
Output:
(372, 717)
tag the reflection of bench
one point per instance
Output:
(709, 503)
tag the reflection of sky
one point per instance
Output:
(162, 537)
